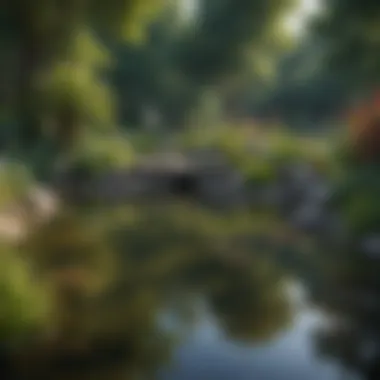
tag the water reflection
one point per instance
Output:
(169, 292)
(353, 336)
(209, 354)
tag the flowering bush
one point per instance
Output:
(358, 186)
(364, 132)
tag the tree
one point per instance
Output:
(306, 92)
(351, 34)
(59, 89)
(146, 76)
(226, 31)
(231, 37)
(184, 62)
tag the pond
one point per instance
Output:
(171, 291)
(208, 354)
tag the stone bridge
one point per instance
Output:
(202, 176)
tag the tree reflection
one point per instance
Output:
(115, 271)
(353, 334)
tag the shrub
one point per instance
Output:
(15, 181)
(364, 132)
(358, 154)
(143, 142)
(97, 153)
(235, 144)
(24, 303)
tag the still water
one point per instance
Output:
(175, 293)
(207, 354)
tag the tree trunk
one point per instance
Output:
(31, 59)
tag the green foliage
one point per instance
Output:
(99, 152)
(70, 241)
(25, 305)
(161, 251)
(258, 155)
(356, 196)
(15, 182)
(290, 147)
(284, 147)
(143, 142)
(236, 146)
(74, 83)
(184, 245)
(263, 312)
(351, 30)
(62, 89)
(75, 86)
(231, 142)
(358, 184)
(181, 64)
(88, 50)
(225, 32)
(307, 92)
(126, 18)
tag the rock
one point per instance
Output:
(308, 217)
(370, 246)
(223, 189)
(18, 219)
(12, 228)
(44, 202)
